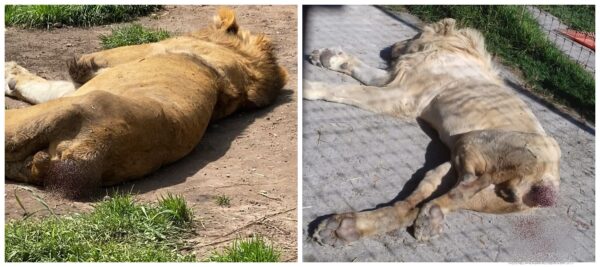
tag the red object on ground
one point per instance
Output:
(586, 39)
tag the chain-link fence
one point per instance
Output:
(575, 42)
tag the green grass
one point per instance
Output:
(223, 200)
(131, 35)
(42, 16)
(117, 230)
(514, 35)
(580, 17)
(253, 249)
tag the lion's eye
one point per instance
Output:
(507, 194)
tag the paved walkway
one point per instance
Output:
(354, 160)
(551, 26)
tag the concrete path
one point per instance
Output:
(355, 160)
(551, 26)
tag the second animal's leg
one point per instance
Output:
(351, 226)
(337, 60)
(26, 86)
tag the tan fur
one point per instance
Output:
(503, 158)
(140, 107)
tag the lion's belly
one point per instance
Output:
(461, 109)
(156, 112)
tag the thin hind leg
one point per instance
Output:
(346, 227)
(337, 60)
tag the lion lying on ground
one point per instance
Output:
(503, 160)
(137, 108)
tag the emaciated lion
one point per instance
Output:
(502, 157)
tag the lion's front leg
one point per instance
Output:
(340, 229)
(28, 87)
(52, 145)
(337, 60)
(430, 221)
(346, 227)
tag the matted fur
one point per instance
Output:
(137, 108)
(501, 155)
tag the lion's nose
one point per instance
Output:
(541, 196)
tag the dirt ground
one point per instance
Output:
(250, 157)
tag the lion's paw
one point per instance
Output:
(429, 223)
(337, 230)
(11, 69)
(330, 58)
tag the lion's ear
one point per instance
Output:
(448, 26)
(225, 21)
(443, 27)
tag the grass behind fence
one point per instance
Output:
(41, 16)
(117, 230)
(580, 17)
(514, 35)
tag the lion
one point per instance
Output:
(500, 155)
(130, 110)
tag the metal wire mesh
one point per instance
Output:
(555, 30)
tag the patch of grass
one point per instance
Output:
(117, 230)
(578, 17)
(223, 200)
(514, 35)
(131, 35)
(253, 249)
(175, 209)
(41, 16)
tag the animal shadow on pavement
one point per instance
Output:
(436, 153)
